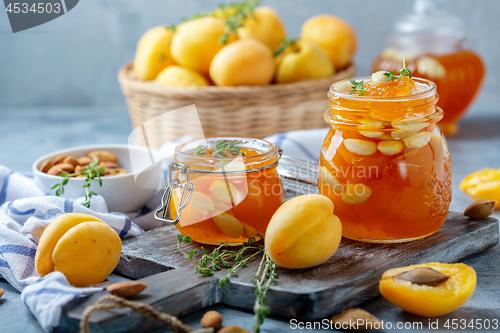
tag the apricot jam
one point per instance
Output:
(385, 163)
(235, 191)
(458, 77)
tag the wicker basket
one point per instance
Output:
(245, 111)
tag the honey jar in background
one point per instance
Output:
(431, 41)
(223, 189)
(385, 163)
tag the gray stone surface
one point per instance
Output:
(24, 137)
(74, 59)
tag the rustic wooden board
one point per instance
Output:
(349, 278)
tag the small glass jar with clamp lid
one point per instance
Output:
(222, 189)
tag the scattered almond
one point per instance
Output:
(104, 156)
(212, 319)
(46, 165)
(59, 159)
(127, 288)
(84, 160)
(480, 209)
(1, 293)
(233, 329)
(71, 160)
(367, 320)
(60, 168)
(423, 276)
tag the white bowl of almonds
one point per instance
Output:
(108, 169)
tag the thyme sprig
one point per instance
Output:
(243, 10)
(391, 76)
(284, 45)
(265, 276)
(93, 172)
(357, 87)
(220, 149)
(222, 257)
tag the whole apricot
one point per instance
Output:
(265, 26)
(244, 62)
(85, 249)
(178, 76)
(196, 42)
(303, 232)
(303, 60)
(429, 290)
(153, 53)
(334, 35)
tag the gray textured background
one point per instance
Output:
(74, 59)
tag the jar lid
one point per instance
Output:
(429, 29)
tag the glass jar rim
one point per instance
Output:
(431, 89)
(268, 153)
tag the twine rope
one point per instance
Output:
(173, 322)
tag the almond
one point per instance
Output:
(233, 329)
(59, 159)
(109, 165)
(418, 140)
(104, 156)
(127, 288)
(328, 178)
(60, 168)
(480, 209)
(379, 77)
(225, 192)
(212, 319)
(389, 148)
(371, 135)
(201, 203)
(71, 160)
(356, 194)
(228, 224)
(249, 230)
(78, 169)
(46, 165)
(366, 319)
(360, 147)
(84, 160)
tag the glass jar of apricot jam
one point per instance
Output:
(385, 163)
(223, 189)
(431, 40)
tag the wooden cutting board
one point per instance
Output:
(347, 279)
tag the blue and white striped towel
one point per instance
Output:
(24, 213)
(304, 144)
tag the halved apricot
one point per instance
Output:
(429, 290)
